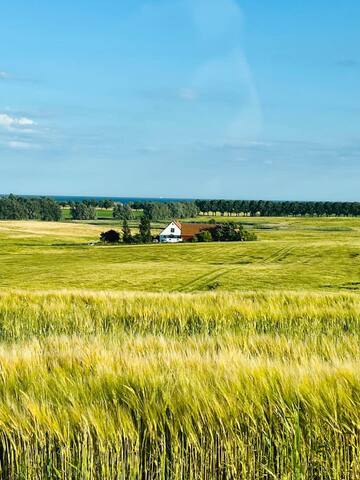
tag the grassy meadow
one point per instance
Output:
(168, 362)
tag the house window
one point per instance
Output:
(172, 230)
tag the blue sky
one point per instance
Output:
(181, 98)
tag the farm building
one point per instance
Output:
(177, 232)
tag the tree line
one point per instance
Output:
(13, 207)
(266, 208)
(92, 202)
(166, 210)
(154, 211)
(157, 211)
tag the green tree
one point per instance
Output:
(145, 230)
(204, 236)
(157, 211)
(111, 236)
(122, 212)
(33, 209)
(106, 203)
(49, 210)
(126, 232)
(12, 208)
(82, 211)
(23, 208)
(230, 232)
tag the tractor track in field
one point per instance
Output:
(278, 255)
(200, 282)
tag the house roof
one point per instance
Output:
(189, 230)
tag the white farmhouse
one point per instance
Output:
(177, 232)
(172, 233)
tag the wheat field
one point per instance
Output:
(166, 380)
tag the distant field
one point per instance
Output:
(101, 213)
(291, 254)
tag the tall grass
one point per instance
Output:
(178, 386)
(196, 409)
(23, 315)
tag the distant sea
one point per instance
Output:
(72, 198)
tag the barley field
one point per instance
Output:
(171, 362)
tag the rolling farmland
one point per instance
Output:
(291, 254)
(196, 361)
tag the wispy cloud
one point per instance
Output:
(4, 75)
(21, 145)
(9, 121)
(20, 132)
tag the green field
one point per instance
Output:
(173, 362)
(291, 254)
(101, 213)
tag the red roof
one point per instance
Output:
(189, 230)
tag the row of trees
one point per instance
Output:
(154, 211)
(26, 208)
(125, 211)
(158, 211)
(92, 202)
(166, 210)
(273, 209)
(21, 208)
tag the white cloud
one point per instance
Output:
(9, 121)
(19, 145)
(19, 132)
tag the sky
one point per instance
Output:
(234, 99)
